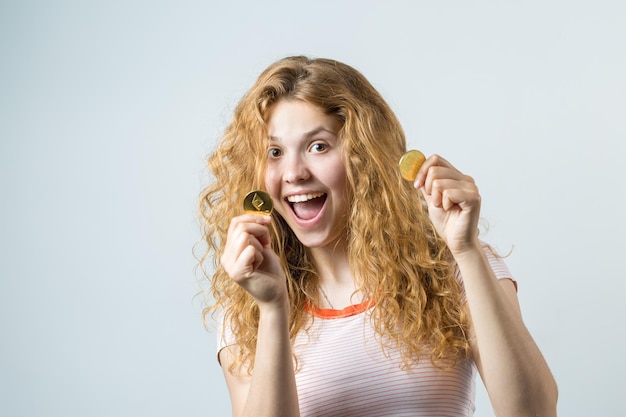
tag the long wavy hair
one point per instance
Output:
(393, 248)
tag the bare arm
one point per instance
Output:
(515, 373)
(513, 369)
(271, 389)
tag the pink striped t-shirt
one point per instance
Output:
(342, 371)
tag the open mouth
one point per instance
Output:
(307, 206)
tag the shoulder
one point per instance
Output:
(224, 333)
(496, 261)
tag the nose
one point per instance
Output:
(296, 169)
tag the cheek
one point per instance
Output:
(343, 186)
(270, 182)
(339, 177)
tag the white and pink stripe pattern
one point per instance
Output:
(342, 371)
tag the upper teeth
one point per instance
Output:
(303, 197)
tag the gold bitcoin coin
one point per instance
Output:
(258, 202)
(410, 164)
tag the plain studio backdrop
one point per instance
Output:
(108, 109)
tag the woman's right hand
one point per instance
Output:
(250, 261)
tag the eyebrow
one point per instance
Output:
(308, 134)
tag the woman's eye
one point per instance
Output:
(319, 147)
(274, 153)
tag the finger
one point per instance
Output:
(242, 241)
(240, 251)
(436, 184)
(248, 219)
(245, 265)
(459, 198)
(437, 188)
(435, 174)
(432, 161)
(449, 197)
(250, 259)
(258, 259)
(259, 230)
(242, 235)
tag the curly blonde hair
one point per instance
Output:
(393, 249)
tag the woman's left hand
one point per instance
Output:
(453, 203)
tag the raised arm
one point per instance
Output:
(513, 369)
(271, 388)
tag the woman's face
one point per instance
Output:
(305, 173)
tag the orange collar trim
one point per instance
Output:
(329, 313)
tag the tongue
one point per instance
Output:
(309, 209)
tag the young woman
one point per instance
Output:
(363, 294)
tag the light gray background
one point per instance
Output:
(107, 110)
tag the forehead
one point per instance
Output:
(288, 118)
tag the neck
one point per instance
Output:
(336, 282)
(331, 263)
